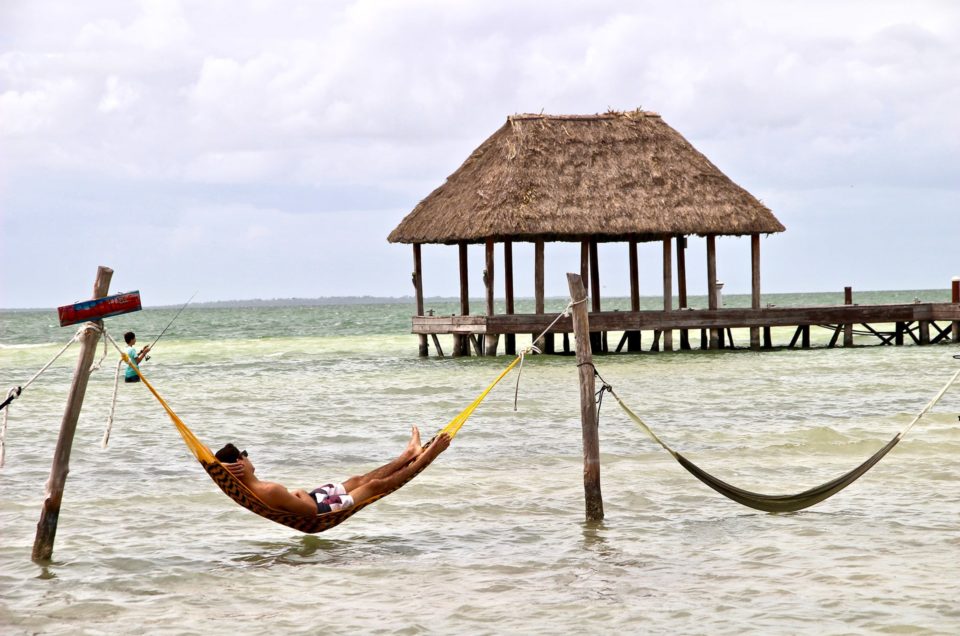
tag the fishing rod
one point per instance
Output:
(172, 320)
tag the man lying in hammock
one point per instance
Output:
(334, 496)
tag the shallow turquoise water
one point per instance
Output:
(491, 539)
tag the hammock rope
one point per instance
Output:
(781, 503)
(16, 391)
(113, 405)
(236, 490)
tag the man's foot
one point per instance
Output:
(439, 444)
(414, 447)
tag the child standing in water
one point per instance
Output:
(135, 358)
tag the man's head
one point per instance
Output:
(129, 337)
(230, 454)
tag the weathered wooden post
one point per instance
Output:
(596, 338)
(755, 287)
(547, 343)
(588, 409)
(682, 287)
(490, 340)
(461, 342)
(510, 340)
(50, 514)
(712, 287)
(667, 292)
(955, 299)
(848, 327)
(418, 289)
(633, 337)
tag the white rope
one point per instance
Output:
(113, 402)
(96, 365)
(36, 375)
(15, 392)
(533, 345)
(516, 390)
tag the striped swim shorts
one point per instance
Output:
(331, 497)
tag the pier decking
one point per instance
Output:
(890, 324)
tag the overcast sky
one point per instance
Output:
(258, 149)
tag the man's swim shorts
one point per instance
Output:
(331, 497)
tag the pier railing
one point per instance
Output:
(917, 322)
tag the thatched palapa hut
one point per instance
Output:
(615, 177)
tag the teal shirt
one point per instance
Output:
(132, 354)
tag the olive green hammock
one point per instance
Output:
(236, 490)
(782, 503)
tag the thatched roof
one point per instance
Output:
(568, 178)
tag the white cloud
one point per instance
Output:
(791, 99)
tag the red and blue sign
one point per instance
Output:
(99, 308)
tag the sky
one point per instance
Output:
(262, 149)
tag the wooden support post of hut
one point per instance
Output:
(633, 337)
(667, 291)
(510, 341)
(755, 287)
(461, 342)
(418, 288)
(955, 299)
(596, 337)
(682, 287)
(50, 514)
(593, 498)
(489, 339)
(712, 286)
(547, 344)
(848, 327)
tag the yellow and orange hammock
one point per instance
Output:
(236, 490)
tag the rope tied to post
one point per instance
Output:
(605, 387)
(533, 348)
(16, 391)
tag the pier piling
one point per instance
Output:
(955, 299)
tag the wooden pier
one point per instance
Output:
(892, 324)
(622, 178)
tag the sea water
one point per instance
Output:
(491, 539)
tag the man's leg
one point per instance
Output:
(375, 487)
(409, 453)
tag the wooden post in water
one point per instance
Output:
(955, 299)
(712, 286)
(588, 409)
(667, 291)
(461, 343)
(848, 327)
(596, 338)
(418, 287)
(489, 339)
(755, 287)
(50, 514)
(510, 340)
(682, 287)
(547, 344)
(633, 337)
